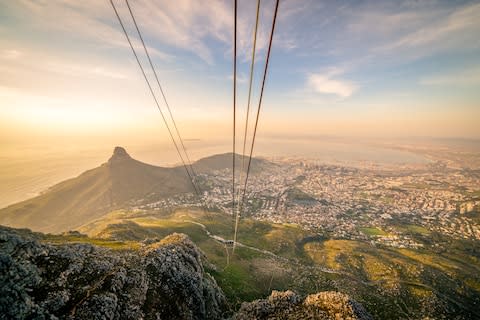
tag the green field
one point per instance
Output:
(413, 229)
(372, 231)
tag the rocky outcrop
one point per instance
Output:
(161, 280)
(288, 305)
(119, 154)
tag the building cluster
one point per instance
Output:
(342, 200)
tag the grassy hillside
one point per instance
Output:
(390, 282)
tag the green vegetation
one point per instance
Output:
(476, 194)
(412, 274)
(250, 274)
(412, 229)
(387, 199)
(372, 231)
(384, 279)
(474, 215)
(296, 194)
(106, 243)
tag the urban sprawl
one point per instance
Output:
(368, 202)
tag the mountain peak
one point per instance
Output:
(119, 153)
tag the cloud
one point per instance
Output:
(206, 30)
(325, 84)
(470, 77)
(190, 25)
(241, 78)
(11, 54)
(107, 73)
(83, 70)
(86, 22)
(26, 63)
(458, 29)
(372, 32)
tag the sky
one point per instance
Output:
(337, 68)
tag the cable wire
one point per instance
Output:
(242, 204)
(154, 97)
(234, 105)
(250, 85)
(252, 64)
(163, 94)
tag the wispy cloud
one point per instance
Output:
(16, 61)
(470, 77)
(192, 26)
(189, 25)
(84, 70)
(241, 78)
(455, 30)
(326, 84)
(379, 32)
(10, 54)
(86, 21)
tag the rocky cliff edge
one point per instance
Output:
(162, 279)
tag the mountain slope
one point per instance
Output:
(74, 202)
(224, 161)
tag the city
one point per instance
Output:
(364, 203)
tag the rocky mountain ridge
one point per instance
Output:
(96, 192)
(74, 202)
